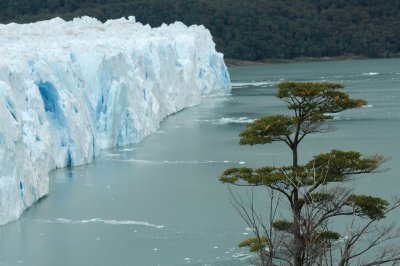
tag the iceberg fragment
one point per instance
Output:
(70, 89)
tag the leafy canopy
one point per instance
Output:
(309, 98)
(311, 102)
(335, 166)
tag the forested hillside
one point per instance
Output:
(249, 29)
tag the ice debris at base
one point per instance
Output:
(99, 220)
(70, 89)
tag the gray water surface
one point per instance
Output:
(160, 202)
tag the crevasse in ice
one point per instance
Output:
(70, 89)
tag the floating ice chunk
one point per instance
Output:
(335, 116)
(239, 255)
(233, 120)
(253, 84)
(370, 74)
(112, 155)
(245, 257)
(126, 150)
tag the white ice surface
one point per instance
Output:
(70, 89)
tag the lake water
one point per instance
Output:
(160, 202)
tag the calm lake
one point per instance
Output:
(160, 202)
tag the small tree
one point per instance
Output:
(313, 192)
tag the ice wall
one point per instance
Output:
(70, 89)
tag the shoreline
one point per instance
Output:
(236, 62)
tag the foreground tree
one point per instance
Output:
(314, 192)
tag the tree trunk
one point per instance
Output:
(294, 152)
(298, 243)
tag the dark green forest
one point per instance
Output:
(249, 29)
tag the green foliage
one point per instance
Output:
(248, 30)
(326, 236)
(255, 244)
(248, 176)
(267, 129)
(311, 99)
(283, 225)
(336, 165)
(372, 207)
(233, 175)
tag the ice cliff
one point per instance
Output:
(70, 89)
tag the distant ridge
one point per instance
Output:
(249, 30)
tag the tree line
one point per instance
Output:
(249, 30)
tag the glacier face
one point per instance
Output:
(70, 89)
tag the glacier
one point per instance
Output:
(71, 89)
